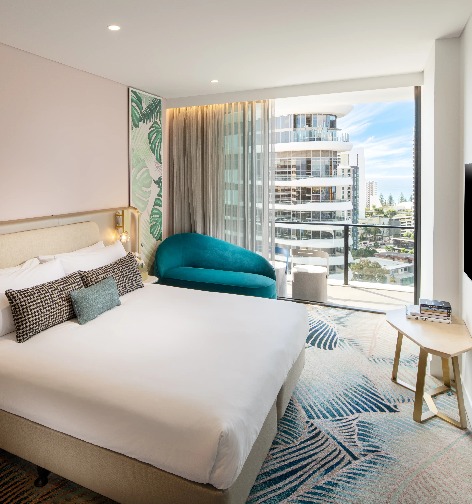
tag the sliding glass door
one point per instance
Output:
(344, 173)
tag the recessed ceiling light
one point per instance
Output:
(214, 81)
(114, 27)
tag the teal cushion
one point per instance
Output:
(92, 301)
(233, 282)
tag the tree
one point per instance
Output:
(391, 201)
(382, 200)
(364, 252)
(369, 271)
(402, 198)
(411, 198)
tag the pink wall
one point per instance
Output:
(63, 139)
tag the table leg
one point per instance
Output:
(445, 371)
(420, 381)
(396, 360)
(460, 394)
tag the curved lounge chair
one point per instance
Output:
(197, 261)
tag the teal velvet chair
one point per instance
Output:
(197, 261)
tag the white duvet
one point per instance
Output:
(177, 378)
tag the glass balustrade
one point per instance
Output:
(311, 135)
(361, 256)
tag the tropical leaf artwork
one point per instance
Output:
(155, 140)
(141, 182)
(136, 108)
(145, 122)
(152, 112)
(155, 221)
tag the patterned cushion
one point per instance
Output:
(90, 302)
(125, 271)
(43, 306)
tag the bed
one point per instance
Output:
(172, 397)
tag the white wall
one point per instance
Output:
(63, 139)
(466, 116)
(441, 175)
(319, 88)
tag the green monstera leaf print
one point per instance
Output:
(152, 112)
(136, 109)
(155, 220)
(158, 182)
(155, 140)
(141, 182)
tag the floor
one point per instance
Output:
(365, 296)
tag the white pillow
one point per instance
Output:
(21, 278)
(95, 246)
(30, 263)
(93, 259)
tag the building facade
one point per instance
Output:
(316, 183)
(371, 195)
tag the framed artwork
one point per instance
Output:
(145, 161)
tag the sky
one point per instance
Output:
(385, 131)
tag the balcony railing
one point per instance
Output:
(372, 254)
(314, 173)
(302, 201)
(311, 135)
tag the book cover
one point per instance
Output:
(434, 311)
(435, 304)
(413, 312)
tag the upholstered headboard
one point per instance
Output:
(16, 248)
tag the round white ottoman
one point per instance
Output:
(310, 283)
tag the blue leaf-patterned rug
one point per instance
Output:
(348, 436)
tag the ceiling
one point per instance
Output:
(173, 48)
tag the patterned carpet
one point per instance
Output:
(347, 437)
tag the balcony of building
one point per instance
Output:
(376, 274)
(311, 135)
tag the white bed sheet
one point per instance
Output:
(177, 378)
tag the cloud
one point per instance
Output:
(387, 153)
(362, 117)
(385, 134)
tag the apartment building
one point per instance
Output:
(316, 183)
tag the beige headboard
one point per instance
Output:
(16, 248)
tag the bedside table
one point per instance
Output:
(150, 280)
(447, 341)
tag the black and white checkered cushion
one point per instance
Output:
(125, 271)
(43, 306)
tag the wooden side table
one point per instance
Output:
(444, 340)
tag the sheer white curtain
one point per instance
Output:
(196, 169)
(220, 172)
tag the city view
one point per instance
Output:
(344, 184)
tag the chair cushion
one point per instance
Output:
(232, 282)
(309, 268)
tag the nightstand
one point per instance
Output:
(447, 341)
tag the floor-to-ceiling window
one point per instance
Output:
(344, 184)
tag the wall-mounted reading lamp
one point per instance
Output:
(121, 228)
(124, 226)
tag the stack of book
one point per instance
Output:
(430, 309)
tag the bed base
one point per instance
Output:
(127, 480)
